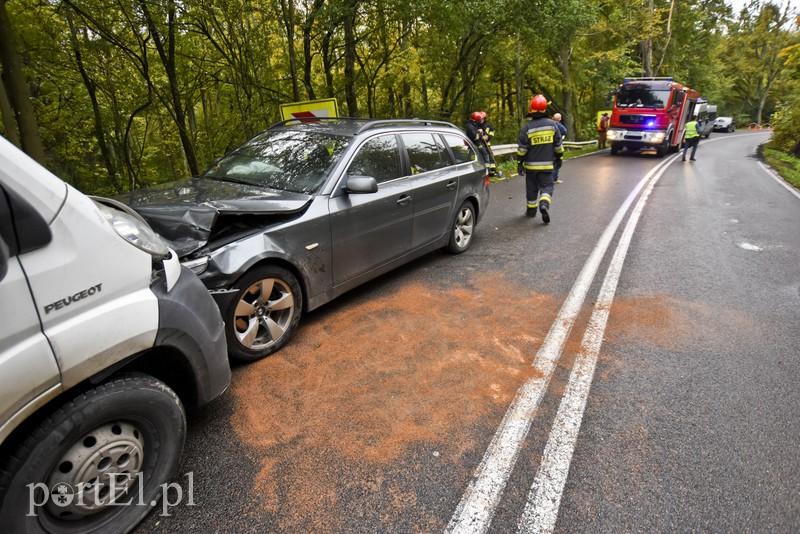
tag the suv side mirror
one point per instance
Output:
(361, 184)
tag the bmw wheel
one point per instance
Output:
(97, 464)
(462, 229)
(263, 314)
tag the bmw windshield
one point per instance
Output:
(642, 98)
(296, 161)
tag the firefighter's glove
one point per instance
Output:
(558, 163)
(520, 168)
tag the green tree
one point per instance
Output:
(16, 90)
(754, 47)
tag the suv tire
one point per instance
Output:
(133, 423)
(263, 314)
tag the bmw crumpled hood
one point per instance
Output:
(184, 212)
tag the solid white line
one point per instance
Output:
(478, 504)
(780, 180)
(541, 510)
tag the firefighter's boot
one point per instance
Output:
(544, 207)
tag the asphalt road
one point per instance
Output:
(442, 396)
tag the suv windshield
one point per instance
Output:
(296, 161)
(642, 98)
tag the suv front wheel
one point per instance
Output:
(98, 463)
(263, 314)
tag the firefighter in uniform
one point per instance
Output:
(475, 131)
(489, 130)
(539, 151)
(692, 138)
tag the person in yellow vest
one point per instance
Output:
(602, 131)
(692, 138)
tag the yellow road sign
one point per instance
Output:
(310, 110)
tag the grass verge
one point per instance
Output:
(784, 164)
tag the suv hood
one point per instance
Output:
(186, 212)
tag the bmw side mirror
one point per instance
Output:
(361, 184)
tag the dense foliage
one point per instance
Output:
(114, 95)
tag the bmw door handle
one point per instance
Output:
(451, 185)
(404, 199)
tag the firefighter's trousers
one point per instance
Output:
(538, 187)
(691, 142)
(488, 158)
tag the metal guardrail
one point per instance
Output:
(501, 150)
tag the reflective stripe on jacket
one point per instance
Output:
(692, 130)
(539, 142)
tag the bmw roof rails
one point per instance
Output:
(649, 79)
(368, 124)
(300, 120)
(394, 122)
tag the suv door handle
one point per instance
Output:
(451, 185)
(404, 199)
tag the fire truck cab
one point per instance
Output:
(650, 113)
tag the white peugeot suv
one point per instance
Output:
(104, 338)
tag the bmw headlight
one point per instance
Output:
(198, 265)
(135, 231)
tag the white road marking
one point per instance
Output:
(780, 180)
(478, 504)
(748, 246)
(544, 498)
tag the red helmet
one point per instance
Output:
(483, 115)
(538, 103)
(475, 117)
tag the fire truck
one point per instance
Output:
(650, 113)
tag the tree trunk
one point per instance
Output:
(327, 64)
(647, 45)
(287, 12)
(426, 105)
(467, 105)
(522, 107)
(567, 91)
(9, 125)
(406, 102)
(350, 57)
(308, 26)
(99, 131)
(17, 90)
(668, 38)
(167, 55)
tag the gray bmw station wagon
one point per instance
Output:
(305, 211)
